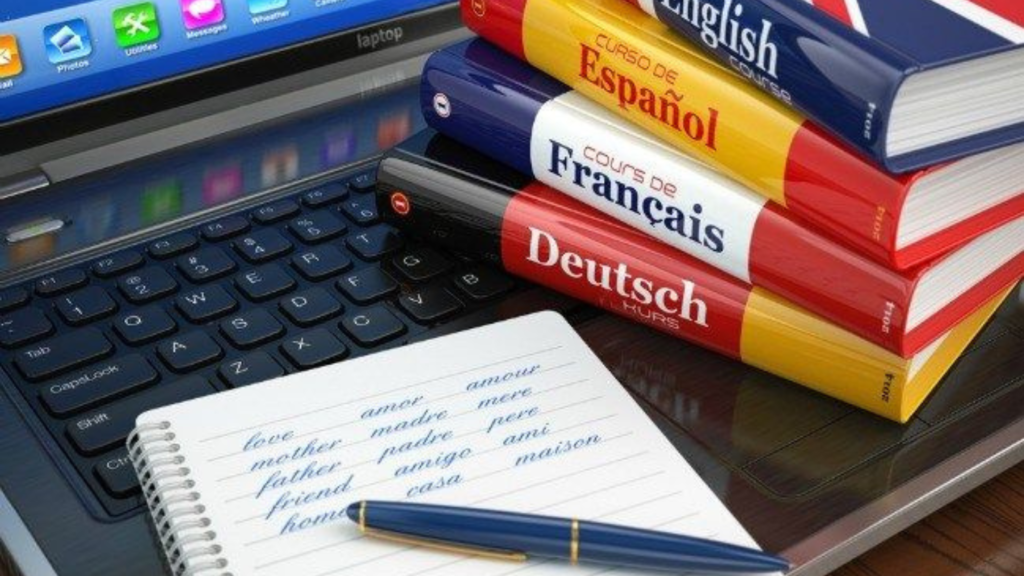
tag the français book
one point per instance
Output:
(910, 83)
(635, 66)
(496, 104)
(440, 190)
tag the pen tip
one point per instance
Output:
(353, 511)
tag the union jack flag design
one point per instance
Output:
(932, 30)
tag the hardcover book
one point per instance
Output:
(445, 192)
(908, 82)
(493, 102)
(637, 67)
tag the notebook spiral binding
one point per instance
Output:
(177, 512)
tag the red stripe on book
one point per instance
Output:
(1012, 10)
(835, 8)
(565, 245)
(843, 191)
(500, 21)
(838, 284)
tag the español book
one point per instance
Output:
(908, 82)
(444, 192)
(499, 105)
(637, 67)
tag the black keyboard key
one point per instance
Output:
(148, 285)
(85, 306)
(206, 265)
(251, 329)
(23, 327)
(173, 245)
(275, 212)
(314, 348)
(373, 326)
(117, 264)
(13, 298)
(251, 369)
(375, 243)
(204, 304)
(324, 195)
(368, 285)
(117, 474)
(421, 264)
(97, 384)
(189, 352)
(365, 182)
(483, 283)
(225, 228)
(311, 307)
(144, 325)
(263, 246)
(264, 283)
(429, 304)
(109, 427)
(361, 209)
(317, 227)
(321, 263)
(63, 353)
(61, 282)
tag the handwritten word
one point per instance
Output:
(425, 418)
(434, 485)
(504, 398)
(312, 470)
(389, 408)
(443, 461)
(563, 447)
(259, 441)
(501, 379)
(427, 439)
(286, 500)
(314, 447)
(512, 417)
(526, 436)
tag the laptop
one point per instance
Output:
(186, 207)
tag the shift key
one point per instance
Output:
(63, 353)
(109, 428)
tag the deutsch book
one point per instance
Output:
(908, 82)
(446, 193)
(637, 67)
(496, 104)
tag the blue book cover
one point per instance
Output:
(911, 83)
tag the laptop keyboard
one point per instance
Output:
(292, 285)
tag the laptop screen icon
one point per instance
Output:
(10, 56)
(67, 41)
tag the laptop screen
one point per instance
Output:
(55, 53)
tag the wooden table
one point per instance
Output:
(981, 534)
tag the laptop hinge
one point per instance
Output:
(22, 183)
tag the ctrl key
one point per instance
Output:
(108, 428)
(117, 474)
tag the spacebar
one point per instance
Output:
(109, 427)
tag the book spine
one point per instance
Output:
(660, 82)
(800, 56)
(567, 142)
(548, 238)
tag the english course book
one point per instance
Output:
(499, 105)
(444, 192)
(637, 67)
(910, 83)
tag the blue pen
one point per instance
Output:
(512, 536)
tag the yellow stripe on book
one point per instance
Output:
(631, 63)
(788, 341)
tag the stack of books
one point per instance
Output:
(829, 197)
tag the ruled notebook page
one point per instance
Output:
(517, 416)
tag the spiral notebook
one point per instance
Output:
(518, 416)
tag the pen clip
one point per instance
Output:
(480, 551)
